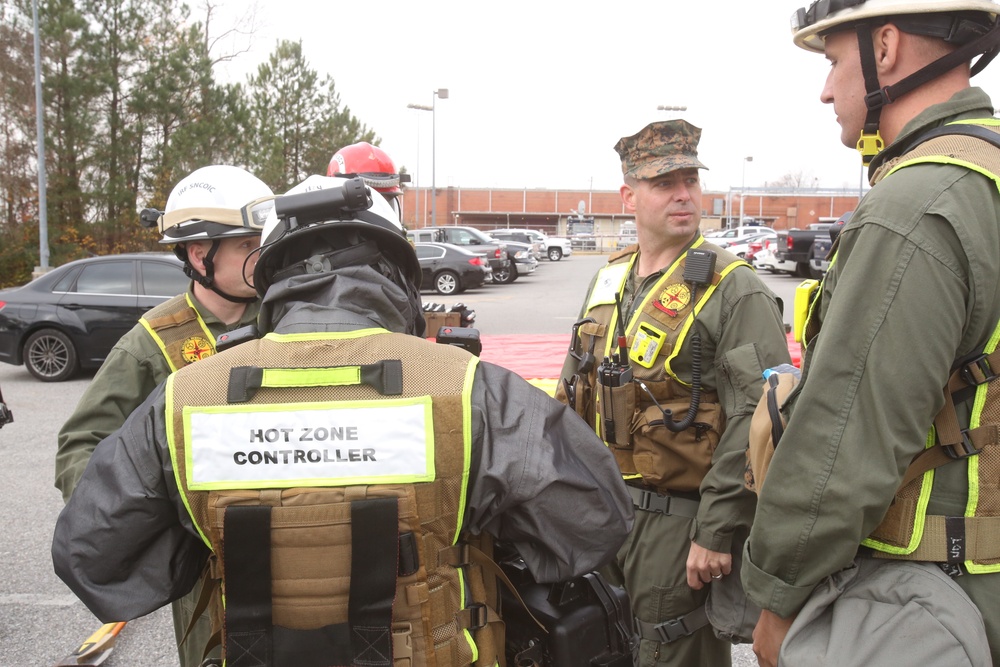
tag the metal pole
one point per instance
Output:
(43, 224)
(743, 185)
(434, 198)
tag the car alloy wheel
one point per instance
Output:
(505, 275)
(555, 254)
(446, 282)
(50, 356)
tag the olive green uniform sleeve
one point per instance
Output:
(131, 372)
(745, 336)
(913, 288)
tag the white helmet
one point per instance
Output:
(809, 25)
(215, 202)
(322, 204)
(970, 25)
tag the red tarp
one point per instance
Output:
(534, 356)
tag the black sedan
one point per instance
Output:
(72, 316)
(448, 269)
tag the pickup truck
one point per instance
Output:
(796, 245)
(819, 263)
(553, 247)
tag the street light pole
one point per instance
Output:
(743, 185)
(443, 94)
(43, 226)
(423, 209)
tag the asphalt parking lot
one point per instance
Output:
(43, 622)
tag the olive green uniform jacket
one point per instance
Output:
(133, 369)
(914, 287)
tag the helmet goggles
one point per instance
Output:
(250, 216)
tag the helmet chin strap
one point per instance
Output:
(208, 280)
(871, 143)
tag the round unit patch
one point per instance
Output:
(673, 299)
(196, 348)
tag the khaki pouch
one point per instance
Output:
(676, 461)
(617, 412)
(766, 427)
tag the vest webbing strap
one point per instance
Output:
(374, 552)
(954, 443)
(245, 381)
(247, 561)
(675, 628)
(951, 539)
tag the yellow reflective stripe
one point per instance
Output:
(614, 274)
(159, 343)
(311, 377)
(690, 320)
(972, 504)
(463, 603)
(926, 484)
(470, 375)
(172, 447)
(940, 159)
(325, 335)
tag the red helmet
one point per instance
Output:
(371, 163)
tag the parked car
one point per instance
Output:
(737, 233)
(518, 236)
(469, 238)
(553, 247)
(449, 269)
(72, 316)
(740, 247)
(522, 263)
(765, 259)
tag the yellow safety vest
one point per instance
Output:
(179, 332)
(643, 447)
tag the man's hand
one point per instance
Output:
(768, 636)
(704, 565)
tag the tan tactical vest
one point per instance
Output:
(643, 447)
(328, 474)
(179, 331)
(907, 531)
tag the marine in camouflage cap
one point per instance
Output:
(660, 148)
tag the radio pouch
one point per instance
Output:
(617, 409)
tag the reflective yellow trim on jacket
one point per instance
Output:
(311, 377)
(972, 503)
(159, 341)
(171, 440)
(926, 486)
(690, 320)
(463, 588)
(470, 375)
(650, 295)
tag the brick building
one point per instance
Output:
(557, 212)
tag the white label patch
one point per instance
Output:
(280, 446)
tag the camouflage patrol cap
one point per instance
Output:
(660, 148)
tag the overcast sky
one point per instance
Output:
(540, 92)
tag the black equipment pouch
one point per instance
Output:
(589, 621)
